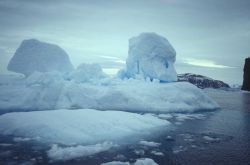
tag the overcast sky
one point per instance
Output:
(211, 37)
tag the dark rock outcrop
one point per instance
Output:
(33, 55)
(202, 81)
(246, 77)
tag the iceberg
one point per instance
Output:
(33, 55)
(139, 87)
(150, 55)
(81, 112)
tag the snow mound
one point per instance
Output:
(34, 55)
(85, 126)
(152, 56)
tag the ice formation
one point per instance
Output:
(52, 85)
(87, 73)
(152, 56)
(34, 55)
(145, 161)
(53, 90)
(84, 126)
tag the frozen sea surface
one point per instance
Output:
(220, 137)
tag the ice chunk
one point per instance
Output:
(208, 138)
(145, 161)
(141, 161)
(140, 152)
(34, 55)
(84, 126)
(136, 97)
(87, 73)
(150, 55)
(149, 144)
(116, 163)
(157, 153)
(57, 153)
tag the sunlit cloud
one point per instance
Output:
(204, 63)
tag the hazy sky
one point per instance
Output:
(211, 37)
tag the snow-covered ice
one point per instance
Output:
(150, 55)
(84, 111)
(149, 63)
(53, 90)
(84, 126)
(34, 55)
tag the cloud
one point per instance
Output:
(204, 63)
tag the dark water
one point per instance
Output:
(222, 138)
